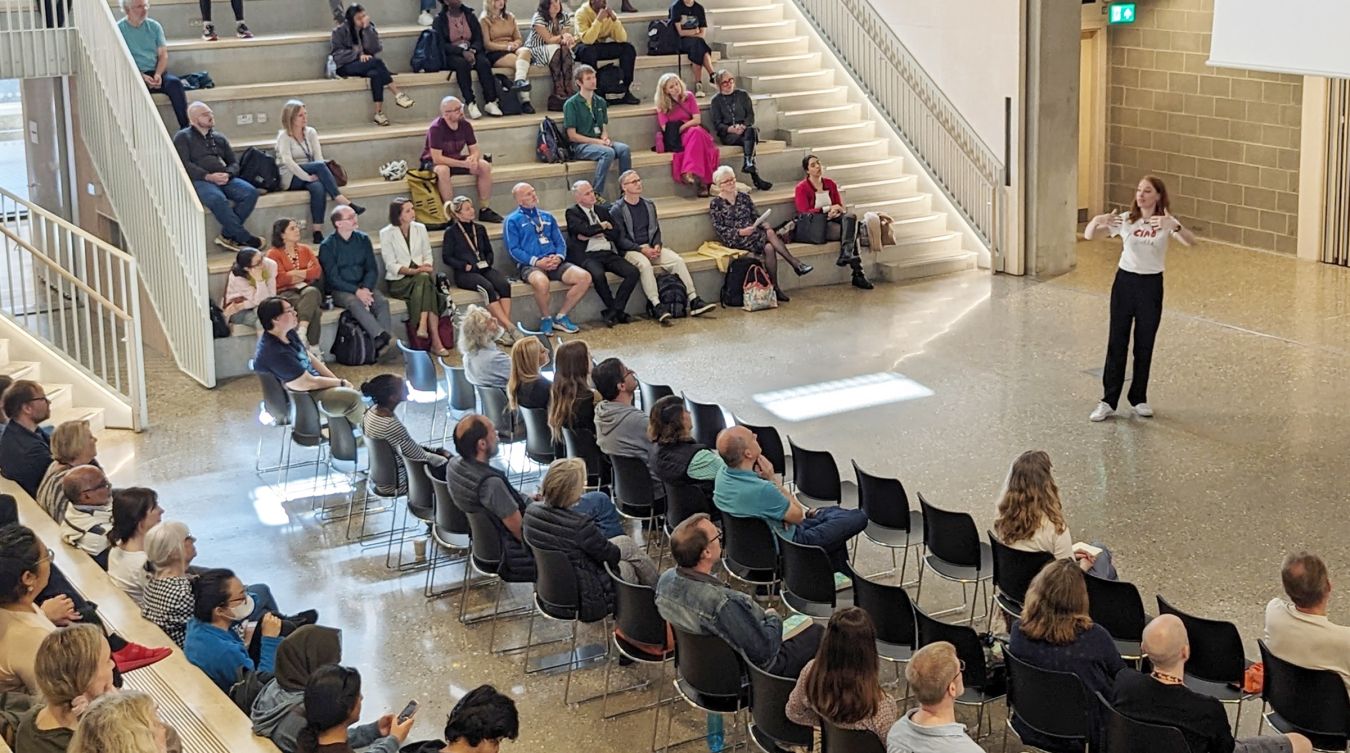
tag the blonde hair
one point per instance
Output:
(288, 113)
(70, 440)
(931, 670)
(123, 722)
(67, 661)
(662, 100)
(564, 482)
(1030, 496)
(524, 366)
(487, 11)
(477, 331)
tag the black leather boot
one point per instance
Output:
(848, 241)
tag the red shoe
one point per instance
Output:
(134, 656)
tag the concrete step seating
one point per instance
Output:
(62, 398)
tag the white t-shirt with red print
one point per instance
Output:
(1145, 246)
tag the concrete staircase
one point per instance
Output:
(62, 395)
(804, 103)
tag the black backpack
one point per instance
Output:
(352, 346)
(609, 82)
(219, 326)
(550, 145)
(260, 169)
(509, 101)
(427, 56)
(733, 285)
(662, 39)
(670, 291)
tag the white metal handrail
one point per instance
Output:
(968, 171)
(33, 42)
(78, 295)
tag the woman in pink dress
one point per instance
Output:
(693, 163)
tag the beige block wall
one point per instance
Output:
(1225, 141)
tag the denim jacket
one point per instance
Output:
(701, 604)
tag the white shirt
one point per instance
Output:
(1145, 246)
(127, 570)
(599, 242)
(1045, 539)
(1308, 640)
(290, 153)
(399, 252)
(823, 200)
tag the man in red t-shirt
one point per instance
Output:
(452, 149)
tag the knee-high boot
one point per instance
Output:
(848, 241)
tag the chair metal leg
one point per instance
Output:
(571, 665)
(1238, 719)
(496, 607)
(529, 639)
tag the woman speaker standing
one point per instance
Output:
(1137, 293)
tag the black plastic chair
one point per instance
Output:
(538, 435)
(460, 395)
(980, 689)
(835, 739)
(1218, 662)
(770, 445)
(598, 473)
(556, 597)
(636, 621)
(650, 393)
(770, 729)
(1312, 702)
(749, 551)
(808, 581)
(306, 430)
(633, 496)
(955, 551)
(485, 557)
(344, 447)
(892, 614)
(707, 419)
(710, 676)
(1117, 606)
(275, 406)
(815, 477)
(1053, 704)
(682, 501)
(496, 407)
(382, 483)
(1013, 571)
(419, 371)
(1122, 734)
(890, 521)
(421, 505)
(450, 531)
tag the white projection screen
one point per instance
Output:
(1307, 37)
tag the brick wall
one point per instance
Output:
(1225, 141)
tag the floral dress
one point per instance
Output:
(730, 217)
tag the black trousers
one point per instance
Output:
(494, 283)
(592, 54)
(795, 652)
(608, 261)
(696, 50)
(172, 86)
(747, 140)
(1136, 302)
(462, 68)
(373, 69)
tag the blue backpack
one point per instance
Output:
(550, 145)
(427, 56)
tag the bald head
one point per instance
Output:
(474, 437)
(1166, 644)
(738, 447)
(86, 485)
(201, 117)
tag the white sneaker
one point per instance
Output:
(1101, 412)
(492, 109)
(474, 112)
(424, 19)
(1143, 410)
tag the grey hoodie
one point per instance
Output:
(275, 714)
(622, 430)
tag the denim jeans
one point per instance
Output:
(320, 191)
(604, 156)
(428, 5)
(830, 528)
(263, 601)
(218, 200)
(599, 507)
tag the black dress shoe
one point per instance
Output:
(357, 208)
(629, 99)
(782, 297)
(527, 108)
(803, 269)
(860, 281)
(759, 182)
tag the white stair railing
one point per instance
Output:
(33, 45)
(77, 295)
(968, 171)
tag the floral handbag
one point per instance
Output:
(758, 293)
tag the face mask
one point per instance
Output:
(242, 611)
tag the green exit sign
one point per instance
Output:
(1121, 13)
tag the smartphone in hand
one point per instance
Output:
(407, 711)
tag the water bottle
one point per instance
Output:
(715, 733)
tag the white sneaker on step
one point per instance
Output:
(1101, 412)
(474, 112)
(1143, 410)
(492, 109)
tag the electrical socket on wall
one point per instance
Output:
(261, 118)
(244, 119)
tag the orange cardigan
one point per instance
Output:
(308, 262)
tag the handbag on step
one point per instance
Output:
(338, 171)
(810, 228)
(758, 293)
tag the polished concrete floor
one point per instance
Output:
(1243, 462)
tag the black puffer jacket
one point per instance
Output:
(588, 550)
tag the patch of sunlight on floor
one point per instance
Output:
(841, 396)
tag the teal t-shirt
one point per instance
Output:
(746, 495)
(144, 42)
(589, 120)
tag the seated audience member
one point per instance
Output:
(410, 274)
(331, 709)
(485, 365)
(691, 23)
(733, 119)
(1030, 518)
(25, 450)
(679, 120)
(1056, 633)
(252, 280)
(461, 39)
(467, 253)
(451, 148)
(748, 487)
(126, 721)
(5, 381)
(640, 242)
(691, 599)
(1162, 697)
(477, 486)
(571, 401)
(149, 49)
(214, 169)
(537, 246)
(550, 43)
(88, 514)
(25, 566)
(481, 720)
(1298, 630)
(73, 443)
(734, 219)
(298, 274)
(167, 595)
(620, 428)
(934, 677)
(601, 36)
(219, 602)
(135, 510)
(818, 194)
(351, 275)
(677, 458)
(555, 524)
(526, 386)
(841, 684)
(209, 28)
(586, 125)
(302, 167)
(386, 391)
(74, 666)
(355, 47)
(593, 245)
(281, 354)
(506, 50)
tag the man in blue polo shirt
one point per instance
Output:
(282, 354)
(749, 488)
(536, 243)
(149, 50)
